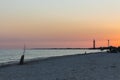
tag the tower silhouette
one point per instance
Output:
(108, 43)
(94, 44)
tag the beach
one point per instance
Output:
(96, 66)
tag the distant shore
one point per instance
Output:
(63, 48)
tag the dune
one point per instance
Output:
(99, 66)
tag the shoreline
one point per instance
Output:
(40, 59)
(16, 54)
(94, 66)
(34, 60)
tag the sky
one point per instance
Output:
(59, 23)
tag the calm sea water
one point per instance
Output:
(7, 56)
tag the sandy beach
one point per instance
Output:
(99, 66)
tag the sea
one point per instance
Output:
(13, 55)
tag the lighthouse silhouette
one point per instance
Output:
(94, 45)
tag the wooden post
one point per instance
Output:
(22, 57)
(22, 60)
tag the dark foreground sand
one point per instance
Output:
(100, 66)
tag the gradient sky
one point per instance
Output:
(59, 23)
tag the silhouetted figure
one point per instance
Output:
(22, 60)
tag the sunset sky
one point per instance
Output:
(59, 23)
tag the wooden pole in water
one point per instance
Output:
(22, 57)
